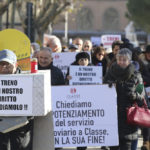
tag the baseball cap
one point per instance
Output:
(8, 56)
(73, 46)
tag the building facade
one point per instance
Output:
(95, 17)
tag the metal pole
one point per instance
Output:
(13, 14)
(0, 23)
(7, 18)
(66, 27)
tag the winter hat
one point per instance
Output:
(82, 55)
(125, 52)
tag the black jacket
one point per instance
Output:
(95, 62)
(126, 83)
(57, 77)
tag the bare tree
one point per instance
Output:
(45, 13)
(4, 4)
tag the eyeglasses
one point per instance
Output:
(101, 54)
(6, 64)
(86, 46)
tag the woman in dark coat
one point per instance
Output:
(127, 79)
(99, 58)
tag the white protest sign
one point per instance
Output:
(107, 40)
(84, 75)
(15, 95)
(148, 91)
(96, 40)
(63, 60)
(84, 116)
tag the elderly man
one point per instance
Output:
(45, 61)
(79, 43)
(21, 137)
(87, 46)
(54, 43)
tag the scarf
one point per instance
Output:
(122, 74)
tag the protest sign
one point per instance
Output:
(25, 94)
(19, 43)
(84, 116)
(15, 95)
(107, 40)
(84, 75)
(63, 60)
(96, 40)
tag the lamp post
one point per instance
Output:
(66, 27)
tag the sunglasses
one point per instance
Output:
(86, 46)
(100, 54)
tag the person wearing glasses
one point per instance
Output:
(87, 46)
(19, 138)
(79, 42)
(99, 58)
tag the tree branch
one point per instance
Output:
(22, 14)
(4, 6)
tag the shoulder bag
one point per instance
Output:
(139, 116)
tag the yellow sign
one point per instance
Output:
(19, 43)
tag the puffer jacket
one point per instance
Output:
(126, 81)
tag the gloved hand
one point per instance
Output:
(110, 85)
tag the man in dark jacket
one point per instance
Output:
(21, 137)
(45, 62)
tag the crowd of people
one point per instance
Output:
(127, 67)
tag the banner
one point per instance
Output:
(96, 40)
(84, 75)
(84, 116)
(107, 40)
(63, 60)
(15, 95)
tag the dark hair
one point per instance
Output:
(116, 43)
(99, 50)
(126, 44)
(82, 55)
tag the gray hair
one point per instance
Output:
(46, 49)
(36, 46)
(125, 52)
